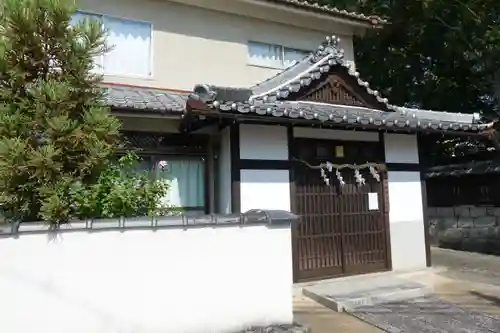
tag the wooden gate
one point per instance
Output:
(338, 233)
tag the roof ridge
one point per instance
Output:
(309, 69)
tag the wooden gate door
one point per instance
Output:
(338, 233)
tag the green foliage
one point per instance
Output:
(434, 54)
(120, 191)
(57, 136)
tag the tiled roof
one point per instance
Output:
(270, 98)
(471, 168)
(153, 100)
(299, 76)
(359, 116)
(314, 6)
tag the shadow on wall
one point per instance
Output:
(466, 228)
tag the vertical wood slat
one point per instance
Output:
(339, 235)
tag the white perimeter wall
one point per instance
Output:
(265, 189)
(170, 281)
(405, 204)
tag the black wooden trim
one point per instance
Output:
(248, 164)
(386, 206)
(381, 140)
(425, 214)
(404, 167)
(234, 138)
(206, 185)
(293, 204)
(273, 120)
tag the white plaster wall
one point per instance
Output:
(265, 189)
(331, 134)
(263, 142)
(170, 280)
(194, 45)
(401, 148)
(406, 221)
(224, 173)
(405, 204)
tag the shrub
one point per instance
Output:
(120, 192)
(57, 136)
(55, 129)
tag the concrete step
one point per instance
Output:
(348, 293)
(366, 297)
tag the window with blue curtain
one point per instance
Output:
(186, 177)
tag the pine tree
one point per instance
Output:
(55, 129)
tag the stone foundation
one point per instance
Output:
(468, 228)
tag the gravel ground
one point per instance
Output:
(472, 267)
(426, 314)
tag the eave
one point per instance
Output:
(367, 21)
(338, 117)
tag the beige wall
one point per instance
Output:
(194, 45)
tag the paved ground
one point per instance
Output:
(323, 320)
(471, 280)
(471, 267)
(467, 299)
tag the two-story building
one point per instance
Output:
(253, 108)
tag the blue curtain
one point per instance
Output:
(186, 178)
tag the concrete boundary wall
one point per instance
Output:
(146, 275)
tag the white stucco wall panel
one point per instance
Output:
(331, 134)
(175, 280)
(401, 148)
(406, 221)
(265, 189)
(263, 142)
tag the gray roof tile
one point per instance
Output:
(301, 75)
(270, 97)
(357, 116)
(315, 6)
(125, 97)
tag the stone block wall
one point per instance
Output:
(469, 228)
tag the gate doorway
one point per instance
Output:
(339, 233)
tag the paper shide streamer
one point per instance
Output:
(327, 168)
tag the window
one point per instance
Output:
(186, 176)
(130, 43)
(275, 56)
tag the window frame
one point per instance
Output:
(154, 154)
(154, 157)
(101, 70)
(282, 53)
